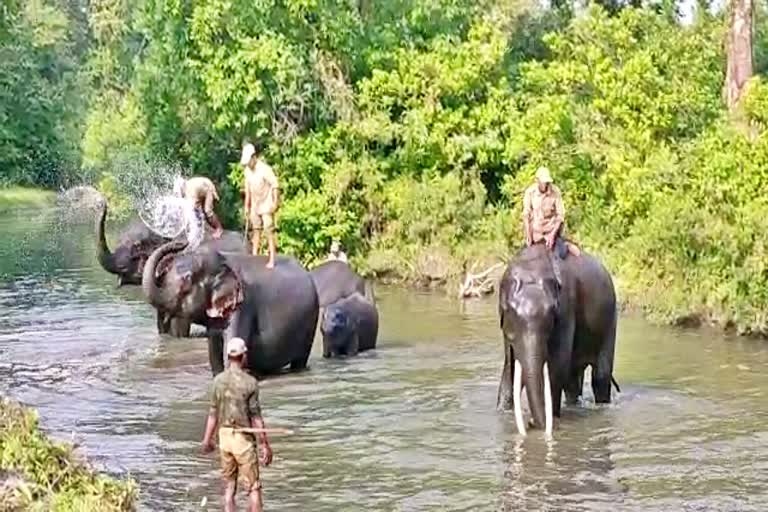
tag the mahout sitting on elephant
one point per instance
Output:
(552, 332)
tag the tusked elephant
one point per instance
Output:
(274, 310)
(349, 325)
(134, 247)
(335, 280)
(553, 332)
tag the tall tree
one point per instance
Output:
(739, 59)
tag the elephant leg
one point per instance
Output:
(560, 367)
(180, 327)
(216, 352)
(573, 388)
(300, 363)
(354, 345)
(602, 371)
(505, 400)
(326, 347)
(163, 322)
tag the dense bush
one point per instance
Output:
(410, 129)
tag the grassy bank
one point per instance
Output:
(38, 474)
(22, 197)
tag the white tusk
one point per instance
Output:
(547, 401)
(517, 394)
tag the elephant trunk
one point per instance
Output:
(106, 259)
(534, 387)
(154, 293)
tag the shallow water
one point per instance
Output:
(409, 427)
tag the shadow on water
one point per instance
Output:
(409, 427)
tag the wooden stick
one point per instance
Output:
(285, 431)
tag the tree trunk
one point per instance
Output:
(739, 48)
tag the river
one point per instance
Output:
(409, 427)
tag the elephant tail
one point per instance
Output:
(616, 384)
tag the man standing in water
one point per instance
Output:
(262, 199)
(544, 215)
(201, 195)
(234, 407)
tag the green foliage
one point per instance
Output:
(40, 97)
(409, 129)
(48, 476)
(12, 198)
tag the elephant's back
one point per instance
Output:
(283, 308)
(336, 280)
(136, 230)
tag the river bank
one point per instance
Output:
(24, 197)
(37, 473)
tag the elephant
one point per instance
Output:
(134, 247)
(335, 280)
(553, 331)
(349, 325)
(234, 295)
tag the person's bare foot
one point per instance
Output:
(270, 265)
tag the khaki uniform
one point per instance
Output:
(545, 211)
(235, 400)
(341, 256)
(202, 193)
(261, 182)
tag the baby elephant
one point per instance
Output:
(350, 325)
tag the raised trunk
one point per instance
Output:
(104, 255)
(154, 293)
(739, 67)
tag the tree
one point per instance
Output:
(739, 59)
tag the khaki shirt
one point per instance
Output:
(260, 183)
(235, 398)
(201, 192)
(545, 211)
(341, 256)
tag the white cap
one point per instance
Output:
(248, 151)
(543, 176)
(236, 347)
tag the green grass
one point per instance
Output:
(37, 473)
(23, 197)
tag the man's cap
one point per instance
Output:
(248, 151)
(236, 347)
(543, 176)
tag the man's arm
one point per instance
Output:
(247, 187)
(527, 210)
(254, 407)
(211, 423)
(275, 189)
(557, 221)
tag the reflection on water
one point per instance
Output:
(409, 427)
